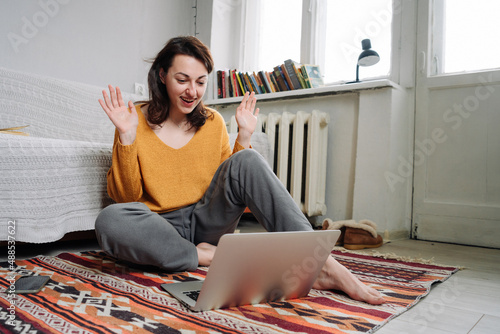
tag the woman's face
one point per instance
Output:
(186, 82)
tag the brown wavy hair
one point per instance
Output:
(159, 102)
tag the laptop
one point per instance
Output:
(254, 268)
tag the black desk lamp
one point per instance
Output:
(367, 58)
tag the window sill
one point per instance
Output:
(312, 92)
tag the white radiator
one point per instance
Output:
(299, 148)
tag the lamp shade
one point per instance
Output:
(367, 57)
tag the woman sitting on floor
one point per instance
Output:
(178, 184)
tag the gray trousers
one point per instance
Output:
(132, 232)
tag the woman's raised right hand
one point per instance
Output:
(124, 117)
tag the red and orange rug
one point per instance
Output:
(90, 292)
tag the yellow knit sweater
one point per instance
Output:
(165, 178)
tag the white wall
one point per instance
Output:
(91, 41)
(384, 136)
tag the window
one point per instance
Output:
(280, 31)
(341, 26)
(349, 22)
(465, 36)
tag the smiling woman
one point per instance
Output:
(178, 185)
(157, 140)
(186, 51)
(186, 84)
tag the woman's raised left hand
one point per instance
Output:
(246, 118)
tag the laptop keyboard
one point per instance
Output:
(192, 294)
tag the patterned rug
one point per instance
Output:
(90, 292)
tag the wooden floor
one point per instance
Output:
(468, 302)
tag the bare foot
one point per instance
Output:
(335, 276)
(206, 253)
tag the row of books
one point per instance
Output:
(288, 76)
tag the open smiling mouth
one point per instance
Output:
(187, 100)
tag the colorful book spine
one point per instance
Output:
(242, 87)
(264, 81)
(255, 84)
(292, 74)
(306, 77)
(288, 81)
(248, 82)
